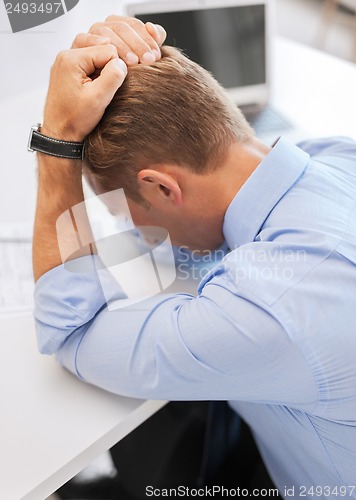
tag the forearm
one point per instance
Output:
(76, 102)
(59, 189)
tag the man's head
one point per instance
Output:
(166, 139)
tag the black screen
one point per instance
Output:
(229, 41)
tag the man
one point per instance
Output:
(272, 328)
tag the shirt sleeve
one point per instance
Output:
(216, 346)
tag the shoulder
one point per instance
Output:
(263, 271)
(330, 146)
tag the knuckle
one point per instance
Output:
(62, 56)
(117, 28)
(112, 18)
(153, 44)
(79, 39)
(140, 47)
(95, 28)
(136, 23)
(61, 61)
(119, 25)
(122, 49)
(112, 50)
(101, 31)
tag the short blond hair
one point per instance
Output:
(172, 112)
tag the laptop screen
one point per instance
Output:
(229, 41)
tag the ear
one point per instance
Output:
(158, 186)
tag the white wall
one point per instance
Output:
(26, 58)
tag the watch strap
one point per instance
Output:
(55, 147)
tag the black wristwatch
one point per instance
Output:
(54, 147)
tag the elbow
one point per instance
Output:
(48, 340)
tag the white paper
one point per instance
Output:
(16, 278)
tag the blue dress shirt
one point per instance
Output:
(272, 330)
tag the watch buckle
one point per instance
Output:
(34, 128)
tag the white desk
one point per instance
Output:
(51, 424)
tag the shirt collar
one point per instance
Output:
(274, 176)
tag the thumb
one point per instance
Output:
(110, 80)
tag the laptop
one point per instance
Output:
(231, 39)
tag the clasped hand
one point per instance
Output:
(85, 78)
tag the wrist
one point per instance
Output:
(59, 183)
(60, 174)
(61, 133)
(50, 142)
